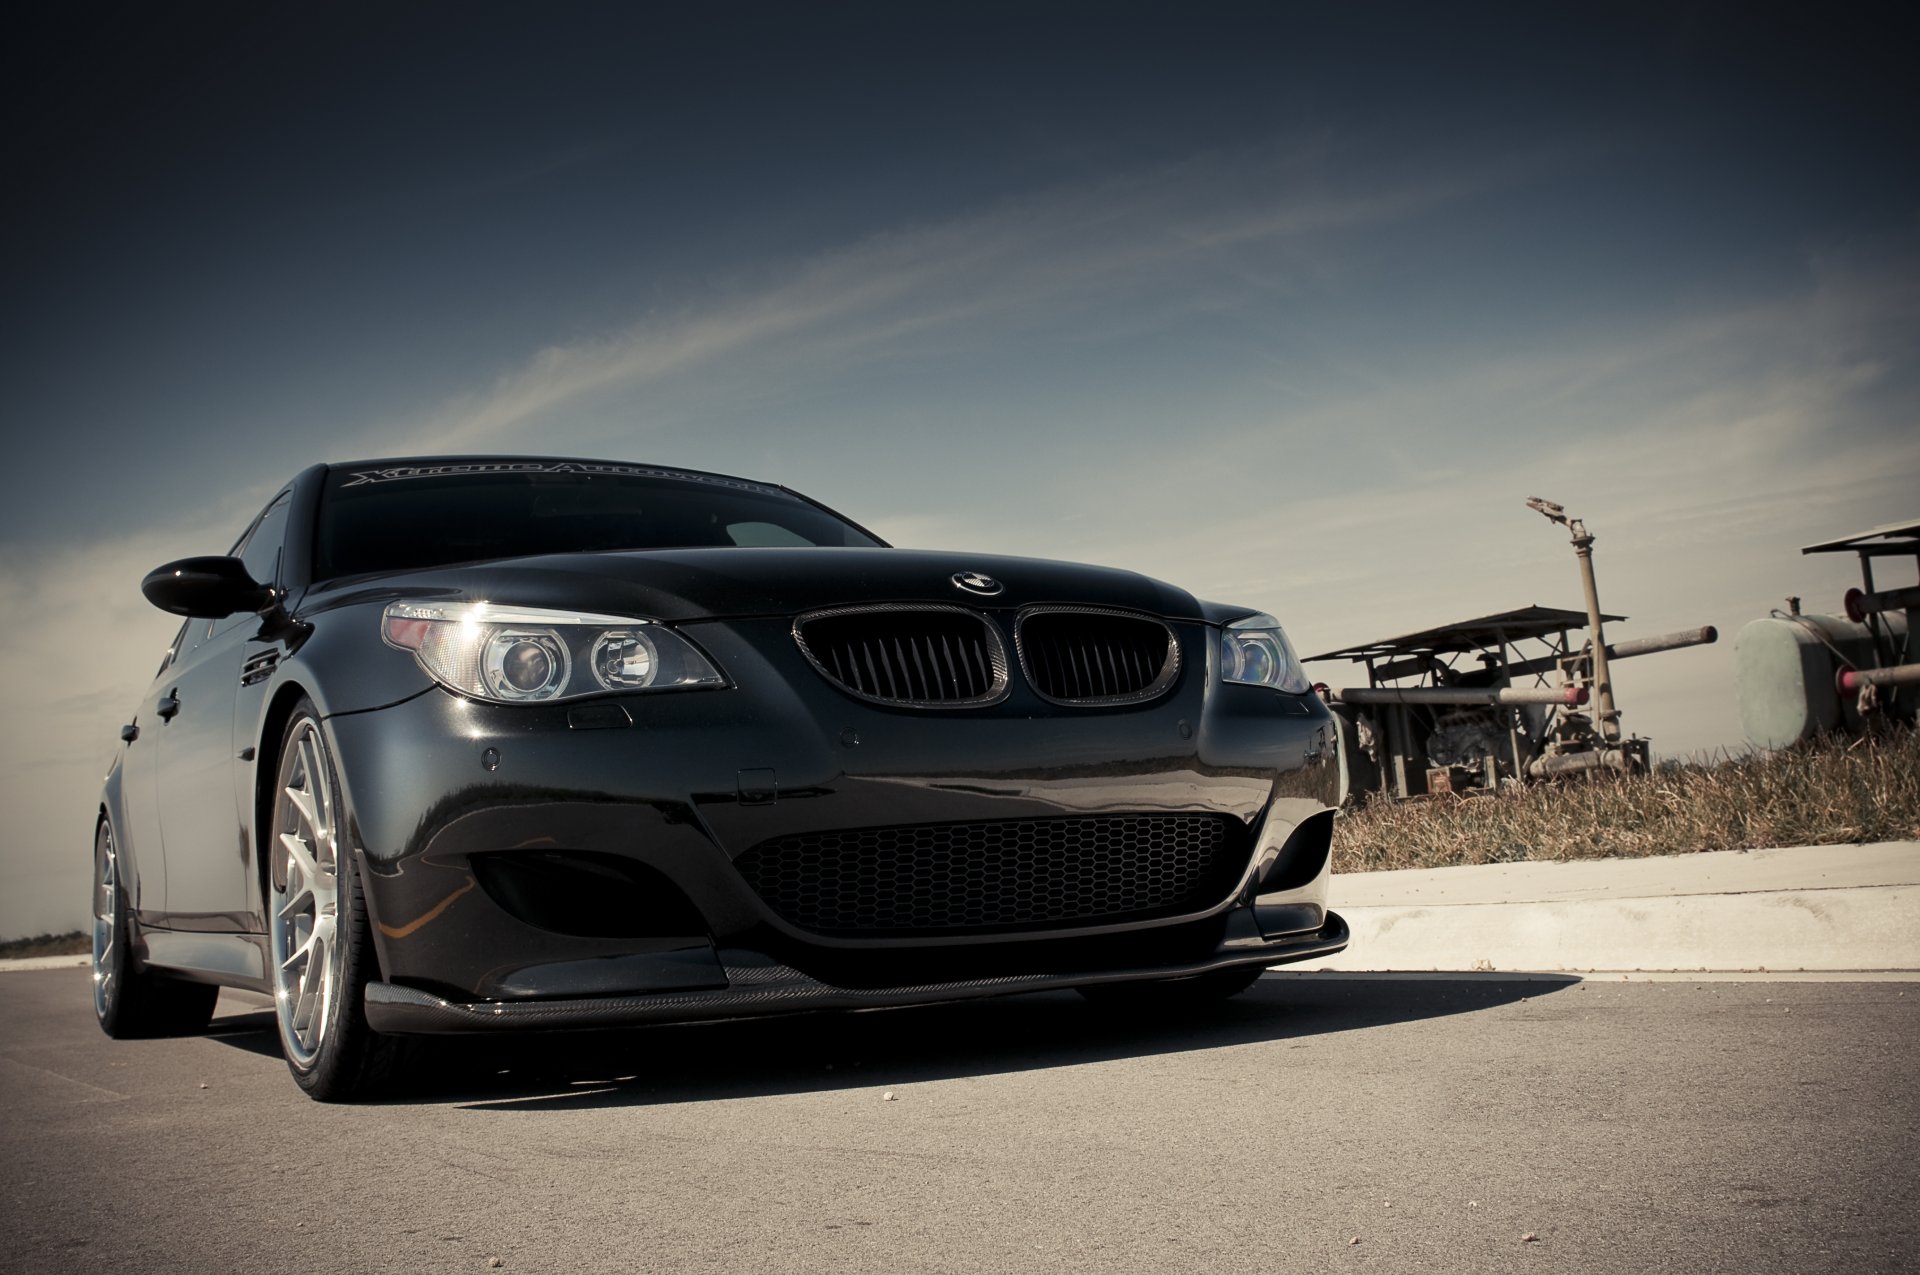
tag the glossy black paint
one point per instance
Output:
(670, 788)
(205, 588)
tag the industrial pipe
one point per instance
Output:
(1705, 635)
(1602, 679)
(1502, 695)
(1702, 636)
(1861, 604)
(1850, 680)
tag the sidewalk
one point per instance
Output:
(1813, 908)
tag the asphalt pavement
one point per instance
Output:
(1329, 1119)
(1315, 1124)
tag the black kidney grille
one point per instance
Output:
(1096, 657)
(1007, 874)
(927, 657)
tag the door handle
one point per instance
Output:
(169, 706)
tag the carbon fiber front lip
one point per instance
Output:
(759, 985)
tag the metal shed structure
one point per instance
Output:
(1475, 702)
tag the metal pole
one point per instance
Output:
(1488, 695)
(1850, 680)
(1628, 649)
(1860, 605)
(1402, 747)
(1883, 643)
(1602, 679)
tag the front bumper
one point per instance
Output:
(675, 789)
(758, 985)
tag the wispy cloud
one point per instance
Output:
(1016, 262)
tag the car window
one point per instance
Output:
(259, 549)
(763, 535)
(173, 648)
(405, 518)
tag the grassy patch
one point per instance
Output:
(72, 944)
(1822, 793)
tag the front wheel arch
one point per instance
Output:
(287, 698)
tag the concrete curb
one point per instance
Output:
(43, 962)
(1818, 908)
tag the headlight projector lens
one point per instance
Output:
(522, 664)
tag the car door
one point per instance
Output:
(200, 817)
(143, 860)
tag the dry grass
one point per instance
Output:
(71, 944)
(1822, 793)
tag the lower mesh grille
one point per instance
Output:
(1003, 875)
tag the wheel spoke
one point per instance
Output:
(313, 988)
(303, 803)
(313, 763)
(302, 1021)
(300, 896)
(322, 944)
(297, 899)
(302, 859)
(299, 954)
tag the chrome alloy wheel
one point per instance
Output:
(106, 921)
(308, 954)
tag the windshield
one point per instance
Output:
(406, 517)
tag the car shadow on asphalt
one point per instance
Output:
(807, 1053)
(252, 1030)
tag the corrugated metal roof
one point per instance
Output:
(1890, 535)
(1472, 635)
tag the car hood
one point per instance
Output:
(730, 583)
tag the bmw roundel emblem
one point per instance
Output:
(973, 582)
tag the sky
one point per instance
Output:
(1290, 305)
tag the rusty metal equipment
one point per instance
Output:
(1428, 721)
(1800, 675)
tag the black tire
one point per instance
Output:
(332, 1052)
(130, 1001)
(1161, 995)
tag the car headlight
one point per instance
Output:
(519, 655)
(1255, 651)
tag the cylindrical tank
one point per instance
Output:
(1783, 673)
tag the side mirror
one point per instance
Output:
(205, 588)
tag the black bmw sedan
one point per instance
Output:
(480, 744)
